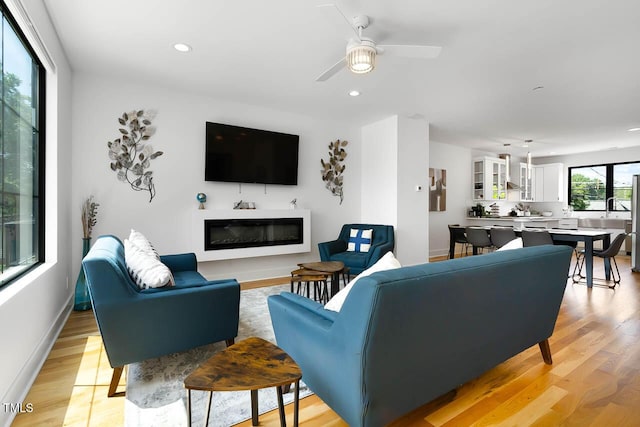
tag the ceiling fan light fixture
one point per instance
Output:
(361, 59)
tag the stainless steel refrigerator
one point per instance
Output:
(635, 223)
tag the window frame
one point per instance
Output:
(609, 185)
(40, 149)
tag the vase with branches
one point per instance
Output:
(89, 217)
(131, 155)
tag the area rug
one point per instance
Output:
(155, 392)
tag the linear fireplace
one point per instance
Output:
(261, 232)
(248, 233)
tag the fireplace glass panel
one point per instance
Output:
(247, 233)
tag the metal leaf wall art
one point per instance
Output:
(333, 169)
(131, 155)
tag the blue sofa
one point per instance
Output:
(140, 324)
(406, 336)
(383, 241)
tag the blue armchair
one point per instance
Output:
(336, 250)
(140, 324)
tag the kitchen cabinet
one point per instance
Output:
(526, 183)
(489, 179)
(547, 182)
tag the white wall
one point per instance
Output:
(179, 174)
(395, 160)
(380, 172)
(35, 307)
(458, 163)
(412, 234)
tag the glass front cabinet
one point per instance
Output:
(526, 182)
(489, 179)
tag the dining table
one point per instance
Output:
(588, 237)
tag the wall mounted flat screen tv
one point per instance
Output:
(238, 154)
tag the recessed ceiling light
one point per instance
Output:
(633, 129)
(181, 47)
(354, 93)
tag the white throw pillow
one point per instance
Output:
(143, 243)
(387, 262)
(359, 240)
(513, 244)
(146, 270)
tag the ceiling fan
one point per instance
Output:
(362, 51)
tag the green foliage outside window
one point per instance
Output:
(584, 190)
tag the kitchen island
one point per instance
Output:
(520, 222)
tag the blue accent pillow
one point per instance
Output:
(359, 240)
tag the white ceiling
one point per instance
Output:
(477, 93)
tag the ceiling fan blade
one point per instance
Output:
(346, 19)
(332, 71)
(410, 51)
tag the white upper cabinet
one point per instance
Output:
(526, 183)
(547, 182)
(489, 179)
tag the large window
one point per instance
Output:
(602, 187)
(21, 153)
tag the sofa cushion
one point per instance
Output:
(513, 244)
(141, 241)
(360, 240)
(352, 259)
(191, 276)
(387, 262)
(184, 281)
(145, 269)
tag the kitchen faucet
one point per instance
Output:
(606, 204)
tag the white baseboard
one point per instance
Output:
(18, 390)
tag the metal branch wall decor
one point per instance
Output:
(131, 155)
(333, 169)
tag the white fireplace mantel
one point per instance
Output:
(200, 215)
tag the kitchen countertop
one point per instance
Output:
(519, 218)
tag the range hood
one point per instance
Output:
(510, 184)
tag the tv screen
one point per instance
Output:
(238, 154)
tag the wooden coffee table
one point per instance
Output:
(250, 364)
(334, 268)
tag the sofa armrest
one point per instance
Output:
(327, 249)
(180, 262)
(310, 305)
(293, 317)
(151, 325)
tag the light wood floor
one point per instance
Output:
(594, 380)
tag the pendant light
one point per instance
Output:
(528, 142)
(507, 166)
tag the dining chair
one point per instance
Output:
(572, 244)
(500, 236)
(456, 235)
(478, 238)
(609, 253)
(536, 238)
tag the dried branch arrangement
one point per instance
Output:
(89, 216)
